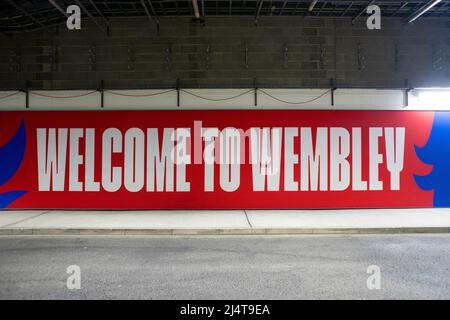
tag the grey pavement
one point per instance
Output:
(231, 267)
(240, 220)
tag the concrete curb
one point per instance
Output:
(243, 231)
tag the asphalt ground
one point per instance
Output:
(226, 267)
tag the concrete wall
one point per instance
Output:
(232, 52)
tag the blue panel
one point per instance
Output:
(436, 152)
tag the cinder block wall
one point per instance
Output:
(230, 51)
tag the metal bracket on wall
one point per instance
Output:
(54, 57)
(208, 56)
(285, 56)
(323, 57)
(93, 58)
(437, 58)
(168, 58)
(258, 11)
(361, 57)
(246, 56)
(396, 57)
(131, 58)
(15, 60)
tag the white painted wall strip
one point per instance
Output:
(373, 99)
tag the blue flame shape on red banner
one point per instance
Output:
(11, 156)
(436, 152)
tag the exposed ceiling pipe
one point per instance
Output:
(312, 5)
(423, 10)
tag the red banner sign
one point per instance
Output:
(221, 159)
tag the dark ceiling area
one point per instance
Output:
(26, 15)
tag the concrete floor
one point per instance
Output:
(231, 267)
(225, 219)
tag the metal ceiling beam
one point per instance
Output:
(17, 23)
(321, 8)
(346, 9)
(155, 16)
(47, 22)
(444, 6)
(121, 9)
(109, 9)
(296, 7)
(422, 10)
(153, 19)
(90, 15)
(283, 6)
(176, 6)
(44, 14)
(163, 8)
(150, 17)
(98, 11)
(401, 7)
(29, 15)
